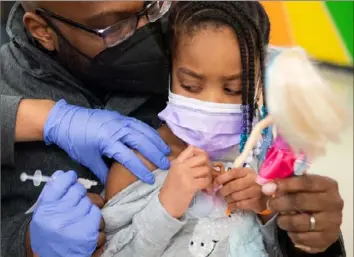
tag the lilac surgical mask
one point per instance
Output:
(214, 127)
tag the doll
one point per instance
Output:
(304, 116)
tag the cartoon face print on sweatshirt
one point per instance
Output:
(209, 233)
(237, 234)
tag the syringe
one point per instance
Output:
(38, 179)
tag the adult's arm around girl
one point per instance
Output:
(22, 120)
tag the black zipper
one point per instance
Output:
(278, 247)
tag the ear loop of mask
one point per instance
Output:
(66, 41)
(169, 88)
(54, 53)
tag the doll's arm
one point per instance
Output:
(255, 136)
(274, 132)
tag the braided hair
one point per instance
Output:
(251, 25)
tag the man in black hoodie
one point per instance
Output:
(100, 56)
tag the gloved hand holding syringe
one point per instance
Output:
(38, 178)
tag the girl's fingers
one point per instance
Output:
(201, 172)
(208, 191)
(247, 205)
(232, 175)
(237, 185)
(203, 183)
(200, 152)
(198, 160)
(186, 154)
(248, 193)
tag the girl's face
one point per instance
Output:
(207, 66)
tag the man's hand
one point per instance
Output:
(99, 202)
(190, 172)
(241, 190)
(297, 199)
(65, 222)
(88, 134)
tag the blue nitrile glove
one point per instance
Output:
(65, 221)
(88, 134)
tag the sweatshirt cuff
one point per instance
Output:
(158, 222)
(9, 108)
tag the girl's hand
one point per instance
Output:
(241, 191)
(190, 172)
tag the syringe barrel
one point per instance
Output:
(38, 178)
(46, 179)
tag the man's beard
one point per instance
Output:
(71, 59)
(77, 64)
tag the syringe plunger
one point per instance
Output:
(37, 178)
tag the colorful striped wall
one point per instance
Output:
(324, 29)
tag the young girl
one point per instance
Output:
(217, 66)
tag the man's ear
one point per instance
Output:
(40, 30)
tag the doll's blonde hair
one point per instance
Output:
(305, 110)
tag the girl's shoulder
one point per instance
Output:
(119, 177)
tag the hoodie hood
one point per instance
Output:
(32, 58)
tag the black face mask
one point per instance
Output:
(139, 65)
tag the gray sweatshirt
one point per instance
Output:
(138, 225)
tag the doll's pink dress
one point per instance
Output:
(278, 163)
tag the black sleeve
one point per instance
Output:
(289, 250)
(13, 235)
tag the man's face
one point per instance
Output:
(95, 15)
